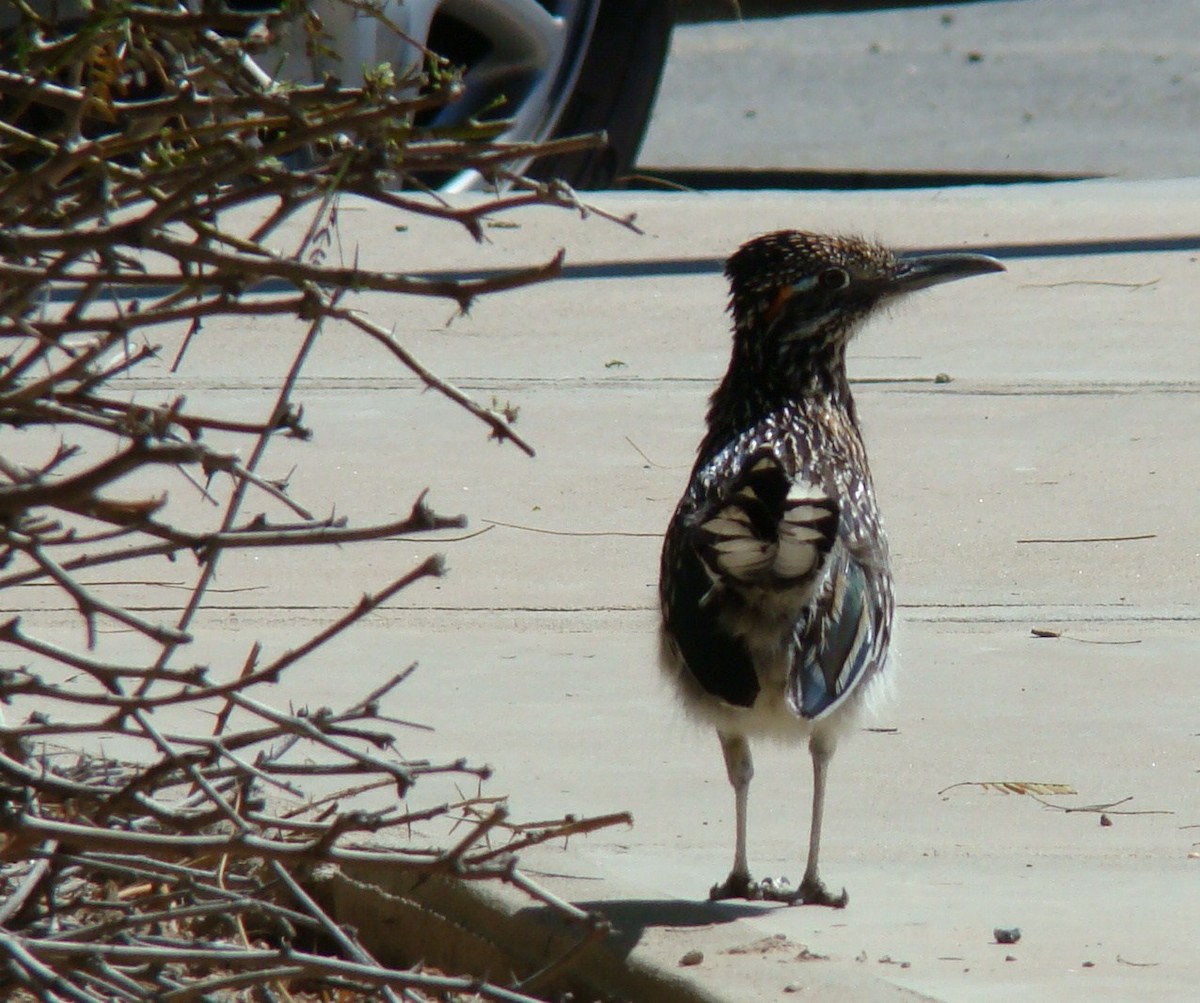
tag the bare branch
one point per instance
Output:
(150, 173)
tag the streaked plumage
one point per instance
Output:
(776, 588)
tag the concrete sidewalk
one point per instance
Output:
(1050, 483)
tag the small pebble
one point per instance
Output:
(1009, 935)
(1010, 957)
(942, 378)
(691, 958)
(1089, 964)
(1105, 820)
(793, 987)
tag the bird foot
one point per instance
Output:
(810, 892)
(736, 886)
(813, 892)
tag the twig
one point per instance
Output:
(36, 873)
(1108, 808)
(569, 532)
(501, 427)
(311, 965)
(88, 602)
(1091, 539)
(43, 980)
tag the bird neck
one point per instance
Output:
(750, 392)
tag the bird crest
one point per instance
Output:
(797, 298)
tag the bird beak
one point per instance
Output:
(920, 271)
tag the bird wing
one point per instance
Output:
(845, 631)
(766, 529)
(837, 639)
(748, 541)
(765, 541)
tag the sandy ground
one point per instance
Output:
(1049, 484)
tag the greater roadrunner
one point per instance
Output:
(776, 589)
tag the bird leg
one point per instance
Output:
(739, 885)
(739, 765)
(812, 890)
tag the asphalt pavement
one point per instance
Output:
(1094, 87)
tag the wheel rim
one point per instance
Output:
(521, 58)
(533, 65)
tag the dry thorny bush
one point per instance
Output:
(126, 144)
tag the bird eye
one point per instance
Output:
(834, 278)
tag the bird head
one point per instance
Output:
(798, 298)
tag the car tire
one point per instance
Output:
(614, 92)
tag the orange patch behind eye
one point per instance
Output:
(782, 295)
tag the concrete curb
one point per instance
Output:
(469, 928)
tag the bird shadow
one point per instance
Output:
(630, 918)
